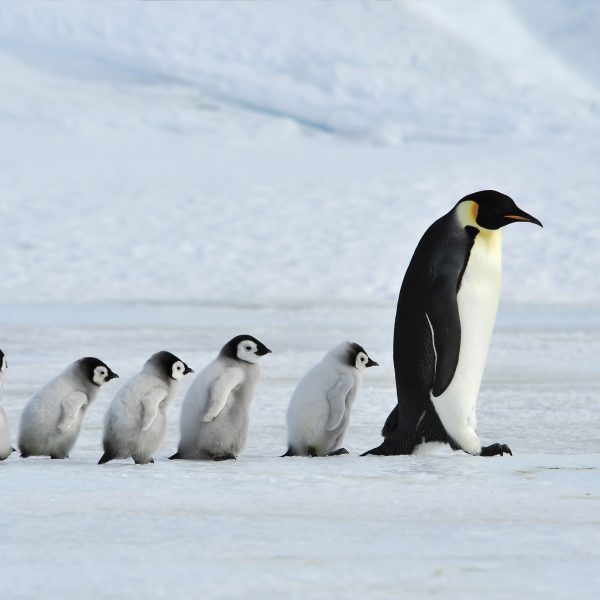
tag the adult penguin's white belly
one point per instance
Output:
(477, 305)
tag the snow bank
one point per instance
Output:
(388, 72)
(288, 152)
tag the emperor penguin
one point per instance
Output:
(6, 448)
(215, 410)
(444, 320)
(51, 420)
(319, 411)
(136, 421)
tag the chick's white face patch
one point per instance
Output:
(246, 351)
(178, 370)
(100, 374)
(361, 361)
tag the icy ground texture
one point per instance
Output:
(444, 525)
(290, 151)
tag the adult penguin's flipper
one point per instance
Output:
(444, 322)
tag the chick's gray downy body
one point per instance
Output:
(51, 420)
(6, 448)
(215, 412)
(136, 421)
(319, 412)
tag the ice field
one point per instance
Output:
(441, 525)
(172, 175)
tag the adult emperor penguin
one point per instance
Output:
(6, 448)
(444, 321)
(215, 411)
(51, 421)
(319, 411)
(136, 420)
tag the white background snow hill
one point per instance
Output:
(172, 174)
(289, 152)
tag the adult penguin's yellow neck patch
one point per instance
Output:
(467, 213)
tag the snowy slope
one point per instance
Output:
(287, 152)
(426, 70)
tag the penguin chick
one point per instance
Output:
(51, 421)
(136, 420)
(6, 448)
(319, 411)
(214, 415)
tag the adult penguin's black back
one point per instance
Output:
(436, 396)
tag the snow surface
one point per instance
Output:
(173, 174)
(444, 525)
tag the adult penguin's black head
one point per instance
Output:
(489, 209)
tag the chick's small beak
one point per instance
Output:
(112, 376)
(521, 215)
(372, 363)
(264, 351)
(187, 370)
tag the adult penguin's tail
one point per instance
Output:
(395, 444)
(402, 435)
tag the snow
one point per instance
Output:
(441, 525)
(173, 175)
(203, 165)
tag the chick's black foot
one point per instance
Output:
(495, 449)
(223, 457)
(338, 452)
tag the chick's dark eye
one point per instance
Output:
(248, 347)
